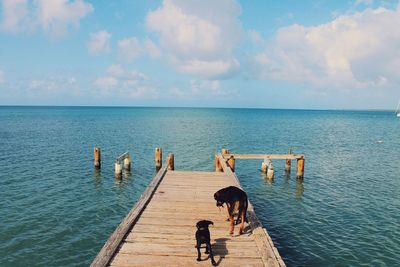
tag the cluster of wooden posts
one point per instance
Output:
(158, 159)
(266, 166)
(125, 160)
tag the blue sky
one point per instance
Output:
(259, 54)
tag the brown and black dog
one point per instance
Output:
(233, 197)
(203, 237)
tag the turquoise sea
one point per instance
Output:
(55, 210)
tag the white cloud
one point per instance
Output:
(357, 50)
(41, 90)
(207, 87)
(198, 34)
(122, 82)
(118, 71)
(151, 48)
(99, 42)
(199, 89)
(129, 48)
(106, 82)
(54, 17)
(53, 84)
(255, 36)
(15, 14)
(204, 68)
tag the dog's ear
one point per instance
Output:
(210, 222)
(198, 225)
(216, 196)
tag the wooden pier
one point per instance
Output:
(160, 228)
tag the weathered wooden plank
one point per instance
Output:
(176, 229)
(189, 217)
(178, 174)
(185, 192)
(188, 222)
(172, 237)
(183, 209)
(190, 240)
(125, 260)
(106, 253)
(197, 184)
(198, 180)
(264, 156)
(182, 201)
(183, 250)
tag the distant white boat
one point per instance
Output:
(397, 110)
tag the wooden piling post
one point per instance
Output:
(270, 171)
(127, 163)
(224, 151)
(264, 165)
(218, 166)
(118, 169)
(231, 163)
(158, 157)
(97, 158)
(170, 162)
(300, 167)
(288, 163)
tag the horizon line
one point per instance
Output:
(200, 107)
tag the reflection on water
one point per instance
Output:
(299, 188)
(97, 179)
(266, 179)
(127, 174)
(122, 181)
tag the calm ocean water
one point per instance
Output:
(56, 211)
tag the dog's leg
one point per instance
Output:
(208, 248)
(239, 207)
(232, 224)
(242, 215)
(228, 208)
(198, 251)
(231, 219)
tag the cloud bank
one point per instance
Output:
(54, 17)
(358, 50)
(121, 82)
(199, 38)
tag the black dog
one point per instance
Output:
(203, 237)
(233, 197)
